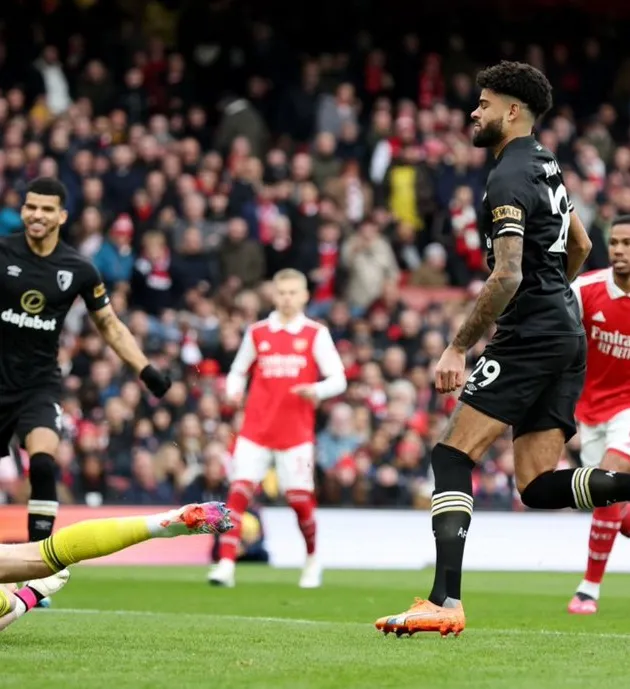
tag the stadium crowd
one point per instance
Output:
(357, 170)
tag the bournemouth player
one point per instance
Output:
(531, 374)
(40, 277)
(603, 410)
(46, 562)
(286, 355)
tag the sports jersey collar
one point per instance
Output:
(613, 291)
(30, 251)
(518, 142)
(294, 327)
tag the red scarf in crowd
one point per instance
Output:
(266, 213)
(159, 276)
(328, 260)
(467, 243)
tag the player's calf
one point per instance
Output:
(42, 505)
(468, 436)
(582, 489)
(624, 529)
(451, 514)
(543, 488)
(239, 497)
(42, 443)
(605, 525)
(303, 503)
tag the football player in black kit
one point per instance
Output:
(531, 373)
(40, 277)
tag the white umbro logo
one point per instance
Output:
(14, 271)
(265, 346)
(64, 279)
(599, 317)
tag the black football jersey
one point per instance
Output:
(36, 294)
(526, 197)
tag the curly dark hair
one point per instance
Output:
(521, 81)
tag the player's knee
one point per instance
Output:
(521, 484)
(42, 468)
(242, 490)
(615, 461)
(43, 440)
(452, 468)
(298, 493)
(296, 497)
(535, 493)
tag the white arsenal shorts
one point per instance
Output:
(294, 466)
(612, 435)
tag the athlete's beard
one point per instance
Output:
(46, 235)
(489, 136)
(47, 240)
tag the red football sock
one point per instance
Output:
(604, 529)
(238, 499)
(303, 504)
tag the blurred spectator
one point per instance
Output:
(242, 259)
(334, 111)
(97, 87)
(152, 281)
(353, 196)
(370, 263)
(338, 439)
(115, 258)
(55, 82)
(148, 485)
(211, 483)
(239, 118)
(10, 220)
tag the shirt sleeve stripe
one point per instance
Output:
(510, 229)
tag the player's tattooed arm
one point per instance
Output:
(496, 294)
(119, 338)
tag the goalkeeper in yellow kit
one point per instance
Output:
(44, 564)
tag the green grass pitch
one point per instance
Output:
(165, 628)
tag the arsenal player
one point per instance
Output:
(604, 407)
(285, 355)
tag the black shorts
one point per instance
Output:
(36, 409)
(531, 384)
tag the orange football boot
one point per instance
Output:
(424, 616)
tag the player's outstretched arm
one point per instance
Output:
(118, 337)
(578, 247)
(496, 294)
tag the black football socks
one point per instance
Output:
(451, 512)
